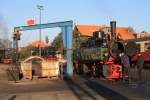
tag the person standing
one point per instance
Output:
(61, 70)
(94, 70)
(126, 66)
(62, 64)
(139, 65)
(75, 70)
(85, 71)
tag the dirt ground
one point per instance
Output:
(145, 74)
(3, 68)
(80, 88)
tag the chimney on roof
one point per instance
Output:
(113, 30)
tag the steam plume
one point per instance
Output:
(3, 33)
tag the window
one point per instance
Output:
(139, 47)
(147, 46)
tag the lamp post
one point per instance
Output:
(40, 8)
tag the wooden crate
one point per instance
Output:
(27, 69)
(50, 68)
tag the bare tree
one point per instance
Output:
(144, 31)
(130, 29)
(46, 39)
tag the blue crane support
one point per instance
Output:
(67, 30)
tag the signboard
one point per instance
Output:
(31, 22)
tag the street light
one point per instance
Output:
(40, 8)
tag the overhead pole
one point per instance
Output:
(67, 30)
(16, 70)
(40, 7)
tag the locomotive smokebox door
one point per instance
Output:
(116, 47)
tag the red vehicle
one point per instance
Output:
(7, 60)
(144, 48)
(146, 56)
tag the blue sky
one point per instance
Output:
(133, 13)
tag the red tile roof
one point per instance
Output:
(124, 33)
(87, 30)
(39, 44)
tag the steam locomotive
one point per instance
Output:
(101, 47)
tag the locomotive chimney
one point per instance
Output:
(113, 30)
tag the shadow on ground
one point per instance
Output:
(105, 92)
(77, 90)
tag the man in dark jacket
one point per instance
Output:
(126, 66)
(139, 64)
